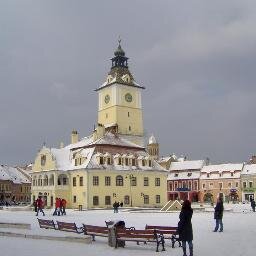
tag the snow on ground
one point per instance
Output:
(238, 238)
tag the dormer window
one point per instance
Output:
(101, 160)
(108, 161)
(126, 161)
(43, 160)
(119, 161)
(232, 174)
(133, 162)
(176, 175)
(189, 174)
(143, 162)
(149, 163)
(208, 175)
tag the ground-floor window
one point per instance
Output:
(74, 199)
(158, 199)
(95, 200)
(107, 200)
(146, 199)
(248, 197)
(126, 200)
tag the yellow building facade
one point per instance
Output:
(111, 164)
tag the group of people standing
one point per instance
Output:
(185, 229)
(60, 206)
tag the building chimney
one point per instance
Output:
(74, 137)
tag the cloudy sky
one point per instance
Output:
(196, 59)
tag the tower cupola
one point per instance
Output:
(120, 60)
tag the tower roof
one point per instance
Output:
(152, 140)
(119, 72)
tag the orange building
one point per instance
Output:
(220, 180)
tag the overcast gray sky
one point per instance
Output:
(196, 59)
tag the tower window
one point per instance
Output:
(130, 128)
(106, 115)
(43, 160)
(128, 114)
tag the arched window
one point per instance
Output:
(119, 180)
(126, 200)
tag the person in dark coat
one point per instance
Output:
(35, 206)
(115, 206)
(185, 229)
(218, 215)
(253, 205)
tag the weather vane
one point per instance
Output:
(119, 39)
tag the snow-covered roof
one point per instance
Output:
(249, 169)
(167, 158)
(114, 140)
(82, 143)
(64, 161)
(13, 174)
(187, 165)
(65, 157)
(222, 168)
(181, 175)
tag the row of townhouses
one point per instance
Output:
(200, 181)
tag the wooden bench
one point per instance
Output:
(93, 231)
(69, 227)
(137, 236)
(168, 232)
(46, 224)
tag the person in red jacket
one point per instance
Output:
(63, 204)
(40, 205)
(57, 206)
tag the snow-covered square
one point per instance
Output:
(237, 239)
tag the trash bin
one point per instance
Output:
(112, 225)
(80, 207)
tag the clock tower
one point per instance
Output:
(120, 106)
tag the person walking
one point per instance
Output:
(63, 206)
(40, 205)
(57, 206)
(185, 229)
(253, 204)
(218, 215)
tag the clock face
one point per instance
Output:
(107, 99)
(128, 97)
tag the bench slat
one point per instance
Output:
(139, 236)
(46, 224)
(95, 231)
(69, 227)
